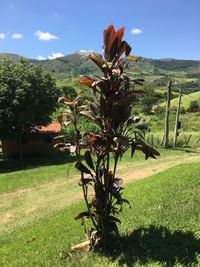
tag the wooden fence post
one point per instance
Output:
(177, 119)
(166, 140)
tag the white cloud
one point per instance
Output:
(55, 55)
(45, 36)
(136, 31)
(40, 57)
(2, 36)
(17, 36)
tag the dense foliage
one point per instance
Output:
(28, 97)
(110, 110)
(194, 106)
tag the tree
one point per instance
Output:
(194, 106)
(110, 110)
(27, 98)
(149, 99)
(70, 91)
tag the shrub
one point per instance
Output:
(194, 106)
(110, 110)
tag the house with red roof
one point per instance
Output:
(40, 142)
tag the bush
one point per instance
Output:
(194, 106)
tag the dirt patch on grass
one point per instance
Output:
(30, 210)
(156, 167)
(6, 218)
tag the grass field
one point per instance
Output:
(185, 101)
(39, 200)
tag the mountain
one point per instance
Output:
(76, 64)
(65, 69)
(15, 57)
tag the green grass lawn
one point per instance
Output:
(161, 229)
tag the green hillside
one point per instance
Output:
(75, 64)
(15, 57)
(156, 72)
(185, 101)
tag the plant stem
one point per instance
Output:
(82, 176)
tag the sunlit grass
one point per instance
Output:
(161, 228)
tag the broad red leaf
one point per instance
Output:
(118, 181)
(86, 80)
(66, 123)
(59, 145)
(85, 181)
(87, 114)
(133, 120)
(133, 147)
(88, 159)
(82, 214)
(147, 150)
(119, 34)
(114, 219)
(108, 38)
(126, 201)
(96, 59)
(79, 96)
(113, 49)
(82, 168)
(128, 49)
(64, 99)
(121, 50)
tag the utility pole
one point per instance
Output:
(166, 139)
(177, 119)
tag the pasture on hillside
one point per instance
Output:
(40, 198)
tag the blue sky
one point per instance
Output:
(49, 28)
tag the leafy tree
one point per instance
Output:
(27, 98)
(194, 106)
(111, 111)
(149, 99)
(70, 91)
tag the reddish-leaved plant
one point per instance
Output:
(111, 111)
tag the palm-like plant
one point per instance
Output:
(111, 111)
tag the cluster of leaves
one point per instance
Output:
(194, 106)
(110, 110)
(28, 96)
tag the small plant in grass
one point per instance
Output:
(111, 111)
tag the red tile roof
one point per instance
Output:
(54, 127)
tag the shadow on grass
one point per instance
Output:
(11, 165)
(153, 244)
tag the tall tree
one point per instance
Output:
(28, 96)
